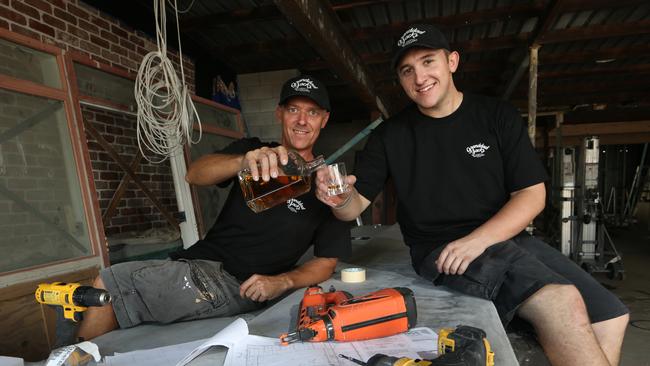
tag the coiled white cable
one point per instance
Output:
(166, 113)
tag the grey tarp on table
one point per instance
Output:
(388, 265)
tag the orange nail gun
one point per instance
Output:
(336, 315)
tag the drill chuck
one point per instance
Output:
(90, 296)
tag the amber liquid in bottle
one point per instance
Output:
(260, 195)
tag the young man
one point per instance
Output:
(246, 258)
(468, 183)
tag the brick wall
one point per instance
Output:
(73, 25)
(259, 94)
(135, 211)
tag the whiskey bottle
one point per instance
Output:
(294, 179)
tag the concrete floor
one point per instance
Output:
(634, 245)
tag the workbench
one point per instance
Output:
(382, 252)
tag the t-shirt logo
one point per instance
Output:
(478, 150)
(409, 37)
(295, 205)
(303, 85)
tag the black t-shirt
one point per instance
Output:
(272, 241)
(451, 174)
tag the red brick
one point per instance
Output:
(88, 27)
(41, 5)
(12, 16)
(41, 27)
(4, 24)
(109, 36)
(119, 32)
(78, 32)
(25, 9)
(58, 3)
(90, 47)
(4, 2)
(118, 50)
(62, 14)
(124, 42)
(68, 39)
(137, 39)
(101, 23)
(78, 12)
(24, 31)
(57, 23)
(99, 41)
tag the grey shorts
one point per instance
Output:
(166, 291)
(509, 272)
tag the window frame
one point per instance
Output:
(98, 249)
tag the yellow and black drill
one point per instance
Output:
(463, 346)
(73, 298)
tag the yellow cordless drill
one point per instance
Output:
(72, 297)
(463, 346)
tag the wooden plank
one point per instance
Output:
(121, 189)
(603, 128)
(319, 25)
(617, 139)
(28, 328)
(532, 93)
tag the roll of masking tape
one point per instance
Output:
(353, 275)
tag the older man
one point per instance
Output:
(246, 258)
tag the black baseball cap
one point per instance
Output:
(305, 86)
(419, 35)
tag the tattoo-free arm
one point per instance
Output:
(261, 288)
(510, 220)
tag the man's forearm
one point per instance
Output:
(213, 169)
(311, 272)
(350, 210)
(514, 216)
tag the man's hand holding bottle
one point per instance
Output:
(264, 162)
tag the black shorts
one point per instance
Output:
(509, 272)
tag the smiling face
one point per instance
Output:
(426, 77)
(302, 120)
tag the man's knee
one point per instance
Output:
(551, 299)
(98, 282)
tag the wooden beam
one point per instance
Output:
(261, 13)
(599, 70)
(562, 101)
(551, 13)
(317, 22)
(603, 128)
(596, 32)
(532, 93)
(587, 56)
(618, 139)
(357, 3)
(451, 21)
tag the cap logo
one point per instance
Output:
(303, 85)
(409, 37)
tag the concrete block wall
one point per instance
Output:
(135, 211)
(259, 94)
(74, 25)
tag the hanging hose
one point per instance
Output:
(166, 113)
